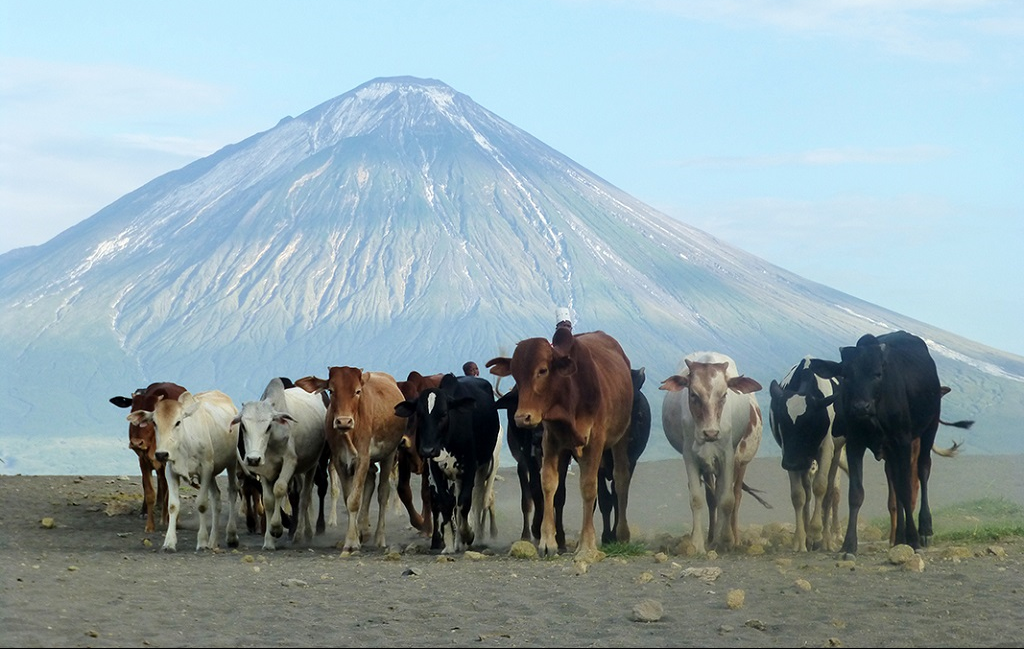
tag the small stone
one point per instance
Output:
(997, 550)
(645, 577)
(48, 523)
(803, 584)
(474, 556)
(293, 582)
(914, 564)
(660, 557)
(248, 559)
(649, 610)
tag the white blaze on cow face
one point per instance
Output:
(255, 420)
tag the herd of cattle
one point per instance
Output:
(575, 397)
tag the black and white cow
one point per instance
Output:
(889, 397)
(457, 430)
(801, 417)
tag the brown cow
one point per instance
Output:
(580, 389)
(362, 430)
(142, 440)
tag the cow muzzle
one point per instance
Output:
(709, 435)
(253, 460)
(526, 419)
(161, 456)
(344, 423)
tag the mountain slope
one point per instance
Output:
(400, 226)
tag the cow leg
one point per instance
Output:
(549, 484)
(622, 476)
(732, 504)
(604, 497)
(213, 507)
(699, 495)
(203, 505)
(563, 471)
(274, 522)
(537, 495)
(903, 484)
(383, 494)
(525, 499)
(352, 479)
(924, 470)
(369, 485)
(304, 530)
(148, 493)
(855, 461)
(405, 489)
(590, 462)
(322, 485)
(161, 494)
(818, 487)
(173, 507)
(798, 495)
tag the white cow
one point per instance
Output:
(197, 441)
(283, 435)
(711, 416)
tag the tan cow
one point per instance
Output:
(363, 433)
(580, 389)
(711, 416)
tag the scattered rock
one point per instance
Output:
(833, 642)
(523, 550)
(47, 523)
(411, 572)
(900, 554)
(660, 557)
(957, 552)
(474, 556)
(444, 558)
(293, 582)
(756, 624)
(581, 567)
(394, 555)
(914, 564)
(997, 550)
(707, 574)
(649, 610)
(734, 600)
(645, 577)
(803, 584)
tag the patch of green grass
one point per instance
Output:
(624, 549)
(987, 519)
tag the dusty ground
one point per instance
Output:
(95, 578)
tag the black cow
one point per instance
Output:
(456, 432)
(800, 416)
(889, 397)
(525, 444)
(639, 433)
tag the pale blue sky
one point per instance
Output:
(874, 146)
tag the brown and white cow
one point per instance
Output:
(578, 386)
(711, 416)
(142, 440)
(362, 431)
(197, 441)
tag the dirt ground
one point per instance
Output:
(91, 576)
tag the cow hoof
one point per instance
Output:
(233, 542)
(849, 556)
(276, 531)
(170, 548)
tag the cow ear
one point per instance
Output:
(449, 382)
(828, 401)
(563, 340)
(827, 369)
(189, 404)
(675, 383)
(564, 365)
(638, 376)
(237, 420)
(312, 384)
(405, 409)
(775, 390)
(140, 417)
(744, 385)
(283, 419)
(125, 402)
(501, 366)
